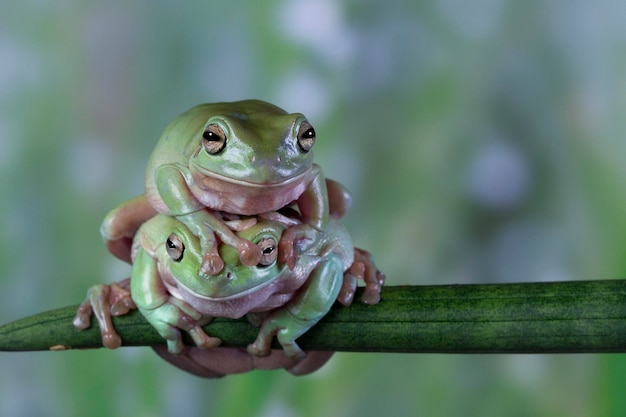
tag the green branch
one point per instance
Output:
(574, 316)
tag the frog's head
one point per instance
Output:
(250, 142)
(184, 258)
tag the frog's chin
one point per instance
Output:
(225, 296)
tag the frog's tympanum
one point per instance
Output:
(170, 290)
(247, 157)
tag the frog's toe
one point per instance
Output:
(212, 264)
(82, 319)
(346, 294)
(256, 350)
(120, 308)
(370, 296)
(111, 340)
(292, 349)
(286, 253)
(175, 346)
(203, 340)
(249, 253)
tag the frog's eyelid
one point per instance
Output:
(214, 138)
(305, 136)
(269, 249)
(175, 247)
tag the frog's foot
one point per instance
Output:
(348, 288)
(120, 299)
(294, 240)
(364, 268)
(104, 301)
(285, 334)
(212, 262)
(249, 253)
(287, 327)
(220, 224)
(176, 315)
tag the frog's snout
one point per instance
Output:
(225, 273)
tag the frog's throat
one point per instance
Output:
(294, 179)
(232, 296)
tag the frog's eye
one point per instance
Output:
(175, 248)
(306, 136)
(269, 251)
(213, 139)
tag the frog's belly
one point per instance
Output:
(267, 298)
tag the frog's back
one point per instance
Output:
(177, 142)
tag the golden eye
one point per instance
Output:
(175, 248)
(306, 136)
(213, 139)
(269, 251)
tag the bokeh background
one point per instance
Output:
(483, 142)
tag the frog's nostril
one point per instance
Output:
(229, 275)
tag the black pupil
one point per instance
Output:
(171, 244)
(310, 133)
(210, 136)
(268, 250)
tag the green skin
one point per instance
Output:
(174, 295)
(265, 163)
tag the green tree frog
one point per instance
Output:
(246, 157)
(170, 290)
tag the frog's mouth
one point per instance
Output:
(221, 287)
(290, 179)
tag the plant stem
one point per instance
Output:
(549, 317)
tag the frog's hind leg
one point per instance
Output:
(104, 301)
(121, 224)
(339, 198)
(364, 268)
(310, 304)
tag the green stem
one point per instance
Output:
(551, 317)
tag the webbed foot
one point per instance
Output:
(176, 315)
(364, 268)
(287, 328)
(105, 301)
(249, 253)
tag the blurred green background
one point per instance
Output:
(483, 142)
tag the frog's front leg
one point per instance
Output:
(311, 304)
(104, 301)
(295, 240)
(313, 202)
(174, 190)
(167, 314)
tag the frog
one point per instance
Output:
(167, 285)
(244, 157)
(112, 300)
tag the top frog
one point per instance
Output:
(247, 157)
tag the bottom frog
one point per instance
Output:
(286, 300)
